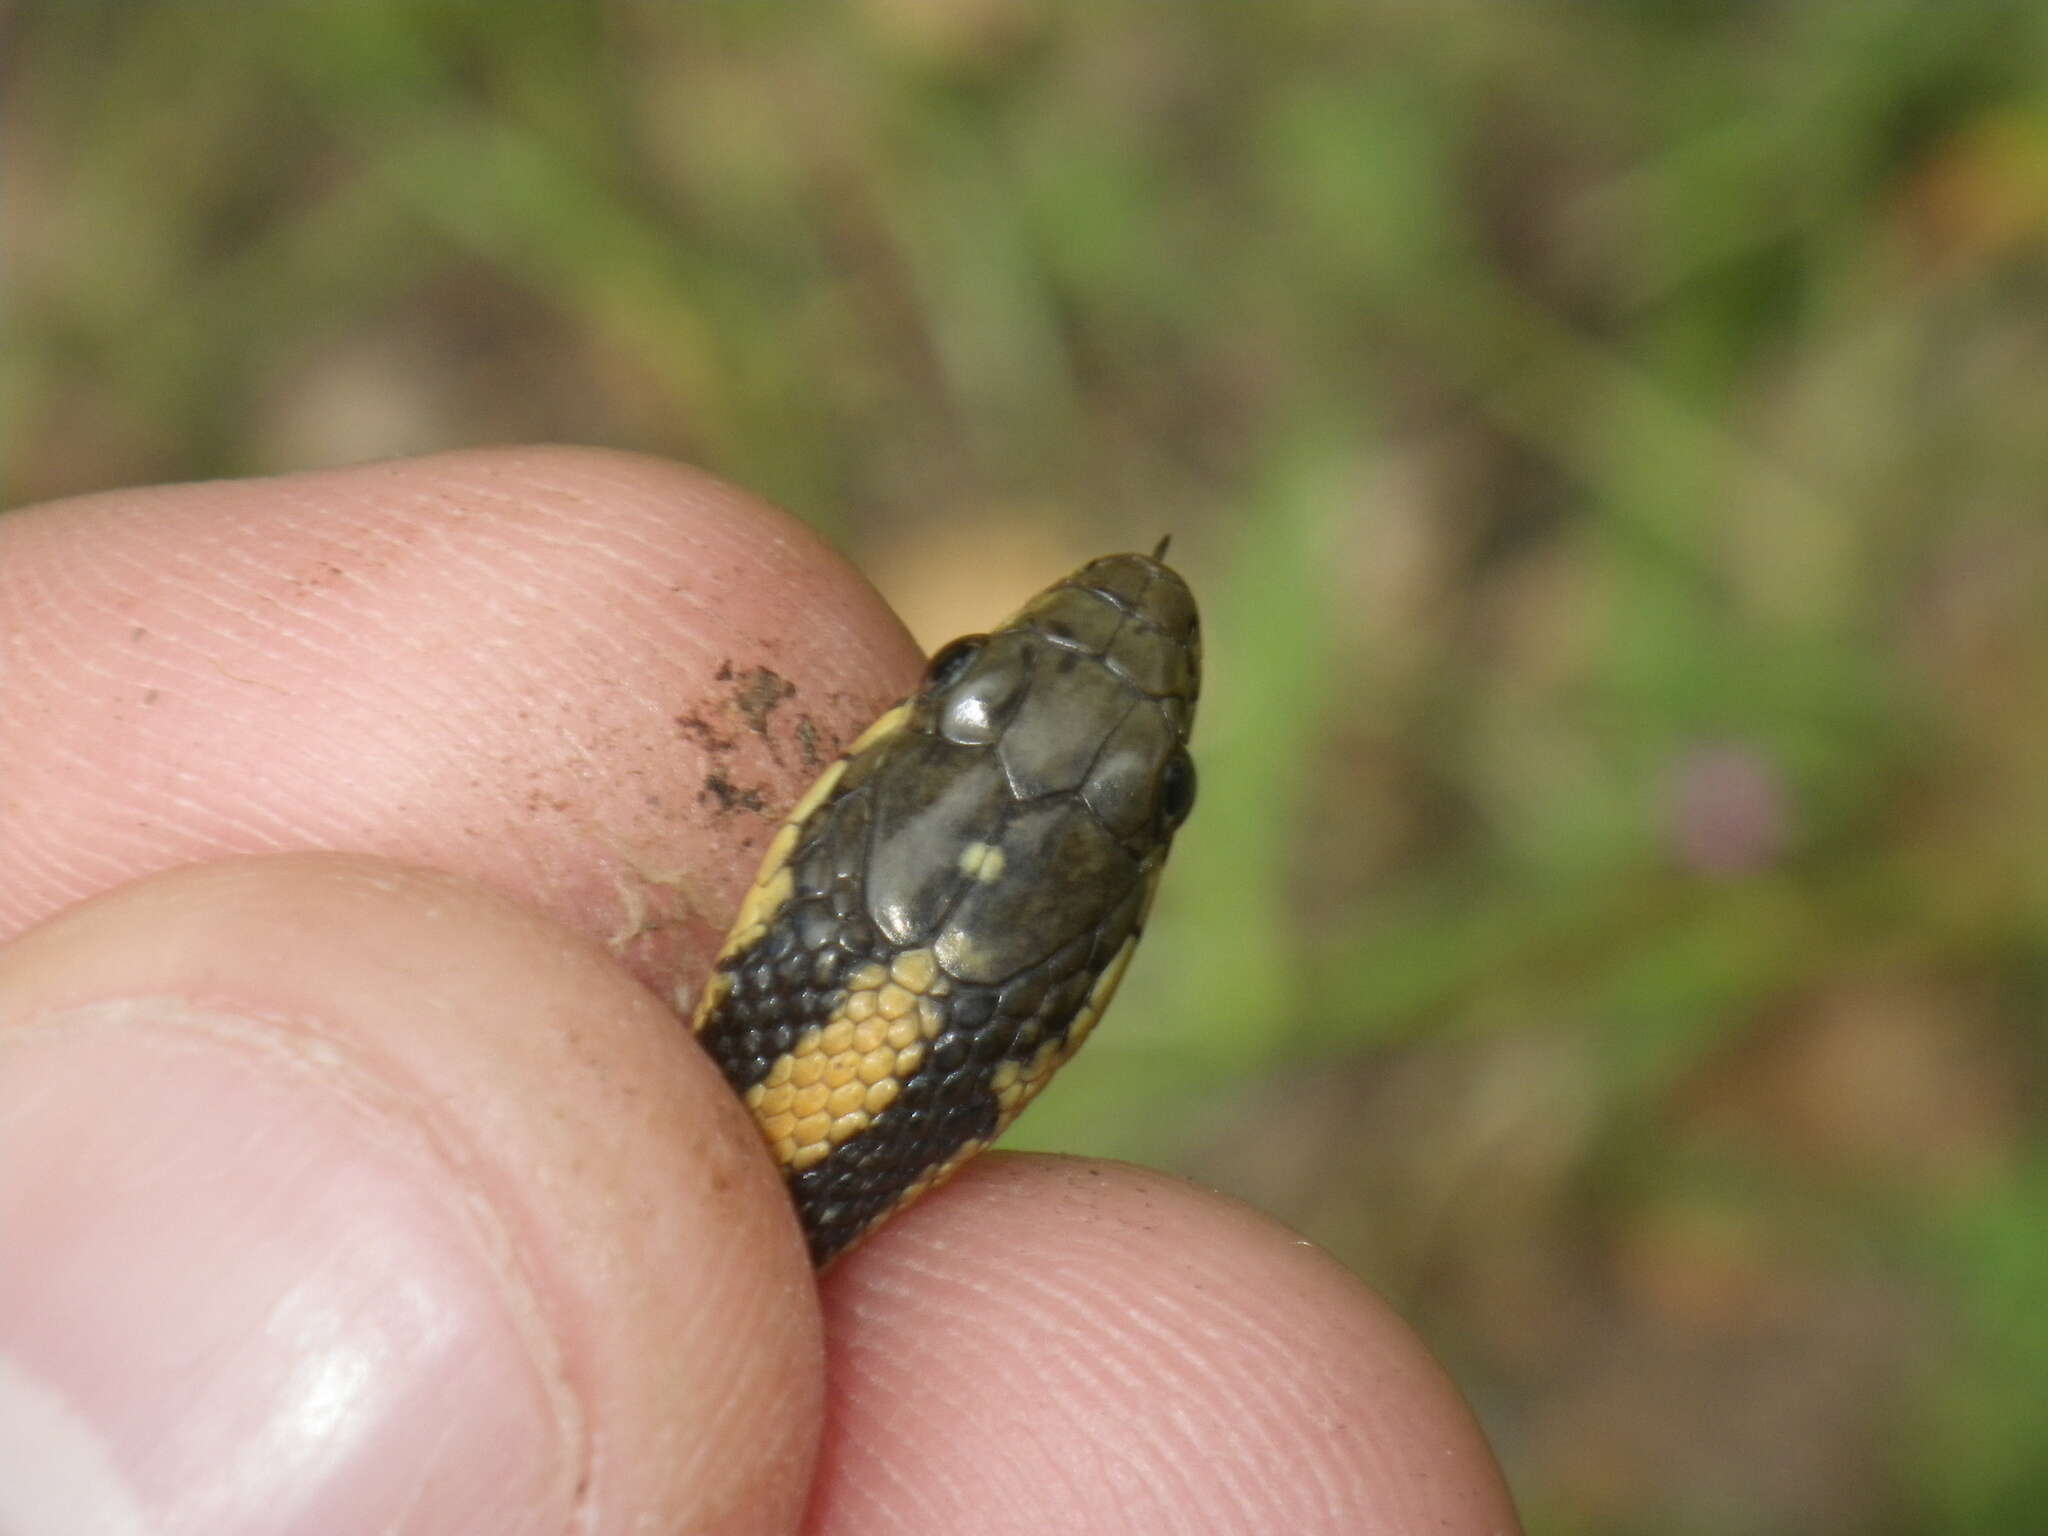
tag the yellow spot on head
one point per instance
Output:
(982, 861)
(958, 953)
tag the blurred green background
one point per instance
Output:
(1608, 440)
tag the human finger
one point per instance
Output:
(589, 680)
(1060, 1344)
(341, 1196)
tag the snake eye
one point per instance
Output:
(945, 668)
(1176, 789)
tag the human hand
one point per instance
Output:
(378, 1190)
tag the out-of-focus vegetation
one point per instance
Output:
(1610, 441)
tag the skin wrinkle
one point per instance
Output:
(1113, 1440)
(252, 825)
(1044, 1447)
(882, 1489)
(197, 588)
(322, 633)
(1231, 1439)
(1257, 1400)
(346, 609)
(118, 822)
(166, 659)
(1235, 1439)
(1230, 1462)
(434, 531)
(320, 623)
(450, 556)
(1006, 1479)
(515, 617)
(611, 540)
(604, 517)
(886, 1494)
(1283, 1407)
(1238, 1328)
(1134, 1479)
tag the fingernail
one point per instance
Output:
(241, 1289)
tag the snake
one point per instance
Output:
(940, 921)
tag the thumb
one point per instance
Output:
(339, 1196)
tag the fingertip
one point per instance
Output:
(322, 1123)
(1058, 1336)
(590, 680)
